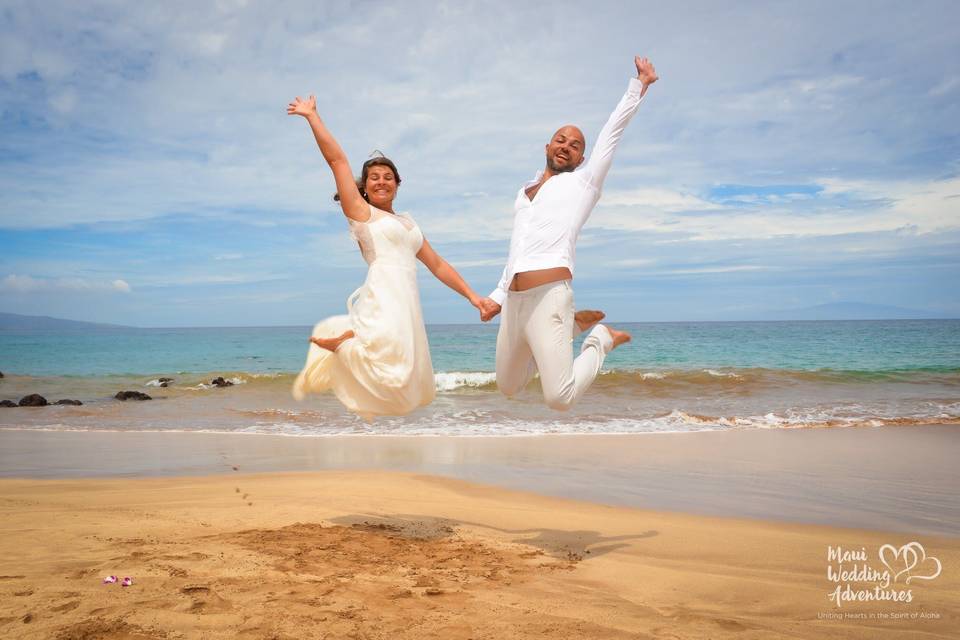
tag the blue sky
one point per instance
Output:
(793, 154)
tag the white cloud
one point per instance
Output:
(64, 101)
(634, 262)
(945, 86)
(488, 262)
(651, 268)
(916, 207)
(208, 279)
(21, 284)
(28, 284)
(717, 269)
(665, 200)
(798, 95)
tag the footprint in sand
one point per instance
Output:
(103, 628)
(66, 606)
(244, 496)
(173, 572)
(205, 600)
(226, 460)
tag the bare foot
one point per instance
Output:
(587, 318)
(619, 337)
(331, 344)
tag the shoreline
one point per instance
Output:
(883, 478)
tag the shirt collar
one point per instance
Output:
(535, 180)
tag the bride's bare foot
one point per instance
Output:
(587, 318)
(331, 344)
(619, 337)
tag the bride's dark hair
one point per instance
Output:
(378, 160)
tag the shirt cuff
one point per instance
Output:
(498, 295)
(635, 86)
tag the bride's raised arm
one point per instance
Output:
(353, 204)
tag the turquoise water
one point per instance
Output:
(670, 377)
(856, 346)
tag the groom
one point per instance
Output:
(534, 293)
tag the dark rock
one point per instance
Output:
(76, 403)
(132, 395)
(8, 403)
(220, 382)
(164, 384)
(33, 400)
(1, 374)
(164, 379)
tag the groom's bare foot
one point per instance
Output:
(331, 344)
(587, 318)
(619, 337)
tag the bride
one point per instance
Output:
(376, 358)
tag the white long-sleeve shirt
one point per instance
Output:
(545, 229)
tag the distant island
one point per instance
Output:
(15, 321)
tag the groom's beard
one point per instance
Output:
(555, 168)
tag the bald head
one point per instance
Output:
(565, 149)
(571, 130)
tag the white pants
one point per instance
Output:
(536, 332)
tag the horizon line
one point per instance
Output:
(104, 325)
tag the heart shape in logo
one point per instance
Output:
(910, 556)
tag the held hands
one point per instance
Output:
(488, 309)
(646, 74)
(302, 107)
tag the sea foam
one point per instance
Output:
(448, 381)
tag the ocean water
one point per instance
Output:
(671, 377)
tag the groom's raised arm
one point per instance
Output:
(595, 170)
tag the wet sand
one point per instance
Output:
(886, 478)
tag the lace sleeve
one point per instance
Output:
(354, 228)
(360, 233)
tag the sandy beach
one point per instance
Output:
(355, 553)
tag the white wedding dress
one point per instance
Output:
(385, 369)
